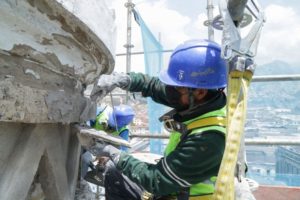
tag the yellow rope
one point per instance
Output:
(238, 85)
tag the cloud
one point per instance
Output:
(280, 39)
(280, 36)
(198, 26)
(169, 23)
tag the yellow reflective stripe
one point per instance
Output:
(208, 128)
(204, 197)
(174, 138)
(220, 112)
(209, 121)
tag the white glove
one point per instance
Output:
(103, 149)
(107, 83)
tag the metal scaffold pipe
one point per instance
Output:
(248, 141)
(129, 5)
(268, 78)
(142, 52)
(236, 9)
(284, 142)
(210, 16)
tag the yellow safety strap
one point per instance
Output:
(209, 121)
(238, 85)
(205, 197)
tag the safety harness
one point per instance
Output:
(214, 120)
(239, 53)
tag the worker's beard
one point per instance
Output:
(174, 98)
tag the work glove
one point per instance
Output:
(96, 175)
(101, 149)
(107, 83)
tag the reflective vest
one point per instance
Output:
(102, 117)
(117, 133)
(215, 120)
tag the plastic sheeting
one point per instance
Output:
(153, 63)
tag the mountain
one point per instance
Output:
(277, 67)
(279, 94)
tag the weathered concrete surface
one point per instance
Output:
(49, 51)
(44, 155)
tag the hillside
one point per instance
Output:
(285, 94)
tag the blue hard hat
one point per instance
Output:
(196, 64)
(123, 114)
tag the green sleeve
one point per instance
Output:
(196, 159)
(149, 87)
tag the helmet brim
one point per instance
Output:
(166, 79)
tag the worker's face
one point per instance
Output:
(179, 96)
(184, 96)
(174, 98)
(198, 94)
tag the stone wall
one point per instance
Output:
(50, 50)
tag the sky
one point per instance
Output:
(174, 21)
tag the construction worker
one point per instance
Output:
(193, 85)
(113, 121)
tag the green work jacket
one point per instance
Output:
(194, 160)
(214, 120)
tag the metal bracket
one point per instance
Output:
(233, 43)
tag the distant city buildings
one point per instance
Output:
(288, 165)
(273, 164)
(287, 160)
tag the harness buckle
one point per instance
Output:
(172, 125)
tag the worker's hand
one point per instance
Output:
(104, 125)
(103, 149)
(107, 83)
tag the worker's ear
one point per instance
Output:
(199, 94)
